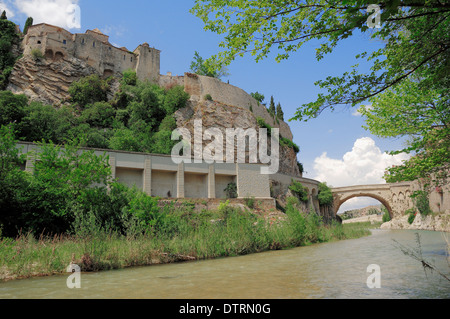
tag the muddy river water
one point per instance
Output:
(330, 270)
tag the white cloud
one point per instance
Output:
(6, 7)
(56, 12)
(365, 164)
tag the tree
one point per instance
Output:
(88, 90)
(415, 37)
(8, 37)
(280, 113)
(28, 24)
(208, 67)
(12, 107)
(258, 97)
(272, 109)
(423, 116)
(4, 17)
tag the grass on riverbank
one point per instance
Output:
(182, 236)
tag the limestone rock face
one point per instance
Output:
(440, 223)
(218, 115)
(47, 81)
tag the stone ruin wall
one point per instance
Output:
(94, 48)
(198, 86)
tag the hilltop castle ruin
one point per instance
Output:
(94, 48)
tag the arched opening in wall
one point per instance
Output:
(49, 54)
(107, 73)
(365, 207)
(59, 56)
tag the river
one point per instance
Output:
(330, 270)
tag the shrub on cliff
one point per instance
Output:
(89, 90)
(325, 195)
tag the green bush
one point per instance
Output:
(208, 97)
(8, 37)
(411, 215)
(37, 54)
(422, 202)
(12, 107)
(129, 77)
(89, 90)
(300, 191)
(231, 190)
(325, 195)
(386, 215)
(250, 202)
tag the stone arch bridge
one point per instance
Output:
(395, 197)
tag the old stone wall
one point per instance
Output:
(94, 48)
(200, 86)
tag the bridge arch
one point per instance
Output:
(339, 202)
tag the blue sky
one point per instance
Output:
(353, 155)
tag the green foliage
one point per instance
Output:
(301, 168)
(411, 215)
(37, 54)
(272, 109)
(208, 67)
(283, 141)
(89, 90)
(8, 37)
(208, 97)
(12, 107)
(250, 202)
(231, 190)
(421, 114)
(287, 142)
(175, 99)
(421, 201)
(129, 77)
(280, 113)
(300, 191)
(3, 16)
(44, 122)
(28, 24)
(325, 195)
(407, 81)
(99, 114)
(386, 215)
(258, 97)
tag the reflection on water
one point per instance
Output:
(331, 270)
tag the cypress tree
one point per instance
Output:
(280, 113)
(272, 109)
(28, 24)
(4, 17)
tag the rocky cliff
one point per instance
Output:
(48, 81)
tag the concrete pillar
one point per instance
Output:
(148, 176)
(212, 182)
(180, 181)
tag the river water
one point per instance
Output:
(330, 270)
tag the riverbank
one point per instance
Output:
(187, 237)
(434, 222)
